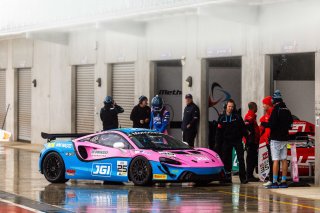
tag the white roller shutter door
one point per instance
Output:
(84, 99)
(3, 107)
(123, 90)
(24, 104)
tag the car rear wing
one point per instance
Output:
(51, 137)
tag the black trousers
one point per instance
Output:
(270, 163)
(189, 136)
(227, 157)
(252, 158)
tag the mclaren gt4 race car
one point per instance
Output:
(138, 155)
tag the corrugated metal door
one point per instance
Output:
(2, 96)
(24, 104)
(123, 90)
(84, 99)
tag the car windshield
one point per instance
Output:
(157, 141)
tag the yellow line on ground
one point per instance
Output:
(268, 200)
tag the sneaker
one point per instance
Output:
(244, 182)
(283, 185)
(267, 183)
(273, 186)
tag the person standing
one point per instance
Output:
(280, 123)
(109, 114)
(265, 132)
(190, 120)
(252, 143)
(160, 117)
(231, 129)
(140, 114)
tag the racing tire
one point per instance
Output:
(140, 172)
(53, 168)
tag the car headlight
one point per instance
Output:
(169, 161)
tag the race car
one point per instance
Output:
(122, 155)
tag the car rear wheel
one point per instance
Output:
(53, 168)
(140, 171)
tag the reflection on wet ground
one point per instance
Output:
(23, 184)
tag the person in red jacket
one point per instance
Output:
(252, 143)
(265, 131)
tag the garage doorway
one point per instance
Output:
(24, 104)
(294, 76)
(223, 83)
(84, 99)
(123, 90)
(168, 85)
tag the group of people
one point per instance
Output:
(273, 130)
(157, 117)
(231, 130)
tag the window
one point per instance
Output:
(110, 138)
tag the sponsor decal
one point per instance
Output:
(198, 157)
(122, 168)
(263, 162)
(170, 92)
(64, 145)
(69, 154)
(160, 196)
(70, 172)
(101, 169)
(142, 152)
(174, 171)
(99, 153)
(50, 145)
(160, 176)
(168, 154)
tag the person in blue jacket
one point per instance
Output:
(160, 117)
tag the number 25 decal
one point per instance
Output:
(101, 169)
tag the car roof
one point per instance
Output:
(129, 131)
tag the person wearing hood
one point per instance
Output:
(280, 123)
(252, 143)
(265, 132)
(109, 114)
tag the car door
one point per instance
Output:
(110, 163)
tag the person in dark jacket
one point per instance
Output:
(230, 131)
(109, 114)
(280, 123)
(252, 143)
(190, 121)
(140, 114)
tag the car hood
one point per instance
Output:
(189, 158)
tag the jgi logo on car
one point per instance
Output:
(101, 169)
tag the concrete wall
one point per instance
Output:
(250, 32)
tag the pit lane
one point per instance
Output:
(24, 189)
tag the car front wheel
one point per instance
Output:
(140, 171)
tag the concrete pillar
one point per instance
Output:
(317, 121)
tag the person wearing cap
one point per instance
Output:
(280, 122)
(190, 120)
(265, 132)
(252, 140)
(109, 114)
(140, 114)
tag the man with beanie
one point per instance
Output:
(109, 114)
(230, 131)
(265, 132)
(252, 143)
(280, 123)
(140, 114)
(190, 120)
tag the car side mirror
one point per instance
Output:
(118, 145)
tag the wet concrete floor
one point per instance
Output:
(24, 189)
